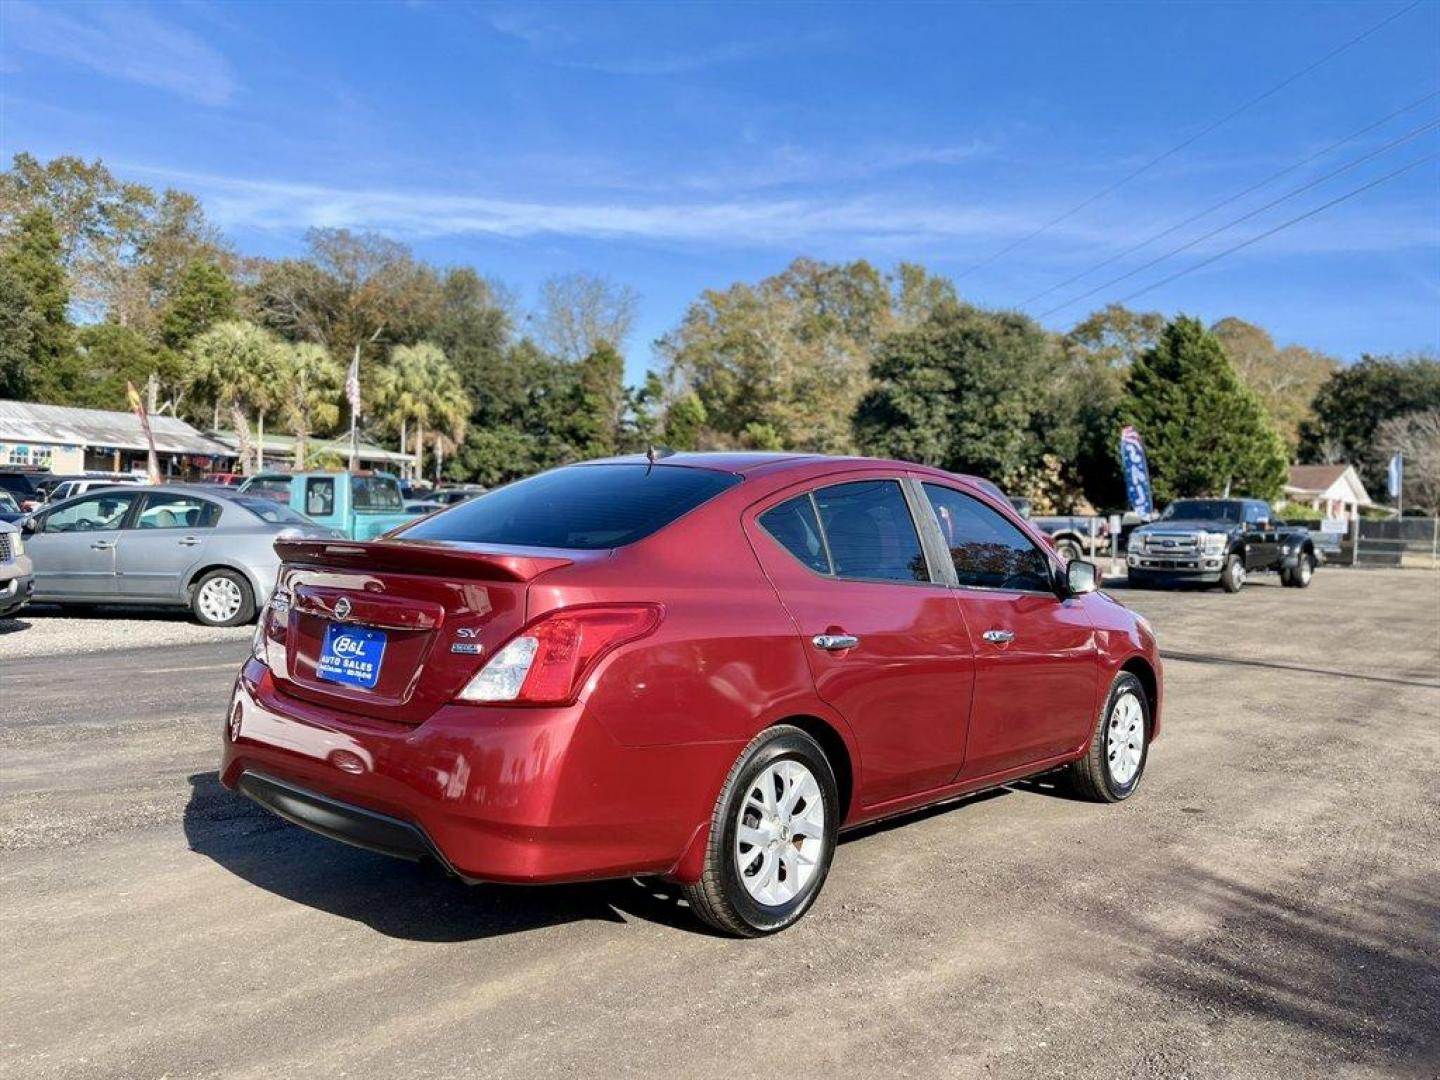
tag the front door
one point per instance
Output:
(165, 539)
(880, 635)
(1262, 539)
(1036, 660)
(74, 547)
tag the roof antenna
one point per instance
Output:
(653, 454)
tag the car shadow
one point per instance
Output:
(413, 901)
(88, 612)
(13, 625)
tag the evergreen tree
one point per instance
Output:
(599, 401)
(203, 296)
(1205, 433)
(17, 335)
(32, 257)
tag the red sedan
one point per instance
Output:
(702, 667)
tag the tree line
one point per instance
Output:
(104, 281)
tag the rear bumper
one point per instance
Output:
(494, 794)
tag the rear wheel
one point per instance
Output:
(1232, 577)
(1300, 575)
(1068, 550)
(772, 836)
(223, 598)
(1111, 769)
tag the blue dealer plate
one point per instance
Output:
(351, 655)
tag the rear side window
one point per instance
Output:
(795, 527)
(988, 551)
(587, 507)
(164, 511)
(870, 532)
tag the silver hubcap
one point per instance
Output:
(1239, 572)
(780, 833)
(1125, 738)
(1305, 569)
(219, 599)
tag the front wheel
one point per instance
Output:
(1110, 771)
(1068, 550)
(772, 836)
(1232, 577)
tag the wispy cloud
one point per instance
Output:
(125, 42)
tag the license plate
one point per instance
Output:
(351, 655)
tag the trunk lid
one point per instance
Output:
(429, 615)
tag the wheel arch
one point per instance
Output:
(837, 751)
(193, 578)
(1140, 667)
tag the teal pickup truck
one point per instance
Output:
(361, 505)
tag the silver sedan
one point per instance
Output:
(203, 548)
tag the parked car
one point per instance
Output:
(422, 506)
(9, 509)
(25, 486)
(16, 572)
(1220, 542)
(82, 485)
(358, 505)
(449, 496)
(225, 479)
(174, 546)
(702, 668)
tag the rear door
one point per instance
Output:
(879, 632)
(162, 541)
(74, 551)
(1036, 659)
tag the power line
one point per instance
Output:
(1233, 198)
(1353, 163)
(1183, 144)
(1277, 228)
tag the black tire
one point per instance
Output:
(720, 897)
(1232, 576)
(1068, 550)
(244, 613)
(1302, 573)
(1091, 776)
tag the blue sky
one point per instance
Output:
(675, 148)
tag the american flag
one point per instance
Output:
(352, 384)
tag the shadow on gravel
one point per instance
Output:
(104, 612)
(13, 626)
(1201, 658)
(415, 901)
(1359, 972)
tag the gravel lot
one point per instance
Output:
(52, 631)
(1267, 905)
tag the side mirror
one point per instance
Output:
(29, 525)
(1081, 577)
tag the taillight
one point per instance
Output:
(546, 663)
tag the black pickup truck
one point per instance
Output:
(1219, 542)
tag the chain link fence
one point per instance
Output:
(1400, 542)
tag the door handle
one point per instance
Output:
(102, 545)
(835, 642)
(999, 637)
(188, 541)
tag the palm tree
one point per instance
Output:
(420, 387)
(234, 364)
(312, 384)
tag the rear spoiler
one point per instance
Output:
(415, 557)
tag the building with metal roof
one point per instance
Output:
(69, 440)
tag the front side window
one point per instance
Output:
(870, 532)
(177, 512)
(104, 511)
(987, 550)
(795, 527)
(320, 497)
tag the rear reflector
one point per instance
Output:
(547, 662)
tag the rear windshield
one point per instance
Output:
(273, 512)
(376, 493)
(585, 506)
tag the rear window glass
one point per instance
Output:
(870, 532)
(795, 526)
(273, 512)
(376, 493)
(585, 506)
